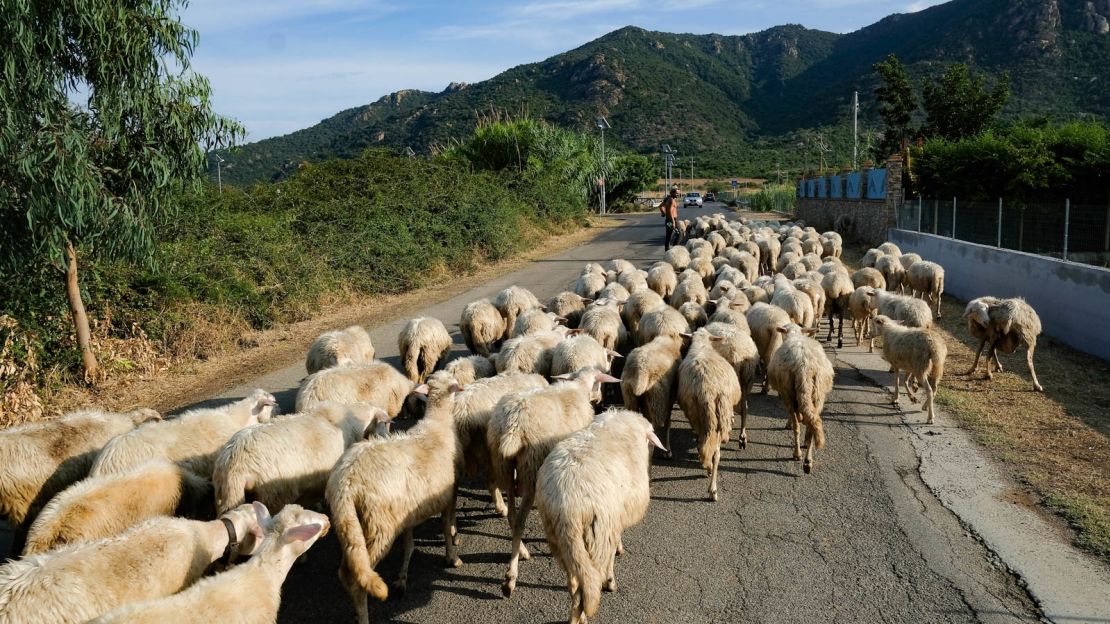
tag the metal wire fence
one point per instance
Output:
(1075, 232)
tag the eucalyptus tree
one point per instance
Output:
(102, 123)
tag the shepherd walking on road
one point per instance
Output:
(669, 209)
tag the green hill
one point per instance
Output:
(734, 101)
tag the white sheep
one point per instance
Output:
(588, 285)
(890, 249)
(769, 248)
(108, 505)
(614, 292)
(534, 321)
(926, 280)
(796, 304)
(467, 369)
(869, 276)
(803, 376)
(593, 486)
(909, 311)
(632, 281)
(662, 278)
(708, 392)
(256, 463)
(764, 321)
(342, 346)
(677, 257)
(190, 440)
(870, 258)
(637, 306)
(249, 593)
(570, 306)
(383, 487)
(892, 271)
(512, 301)
(482, 326)
(838, 294)
(662, 321)
(521, 432)
(528, 354)
(649, 382)
(703, 267)
(1005, 324)
(602, 320)
(155, 558)
(424, 344)
(376, 383)
(39, 460)
(908, 260)
(731, 311)
(581, 351)
(919, 352)
(739, 350)
(862, 307)
(473, 408)
(694, 314)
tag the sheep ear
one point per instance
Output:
(782, 330)
(261, 513)
(716, 339)
(686, 334)
(586, 300)
(603, 378)
(456, 387)
(654, 439)
(563, 376)
(613, 353)
(573, 332)
(809, 331)
(422, 389)
(559, 320)
(301, 533)
(543, 307)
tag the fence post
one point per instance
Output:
(999, 245)
(936, 214)
(919, 220)
(954, 218)
(1067, 219)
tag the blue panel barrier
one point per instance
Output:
(853, 190)
(801, 188)
(822, 188)
(835, 187)
(876, 184)
(811, 188)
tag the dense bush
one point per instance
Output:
(777, 198)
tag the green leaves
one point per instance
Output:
(958, 105)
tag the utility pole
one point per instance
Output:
(602, 124)
(691, 170)
(855, 131)
(219, 176)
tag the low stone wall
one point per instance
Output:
(859, 220)
(1073, 300)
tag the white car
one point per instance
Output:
(693, 199)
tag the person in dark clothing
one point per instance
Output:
(669, 209)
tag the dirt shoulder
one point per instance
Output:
(264, 351)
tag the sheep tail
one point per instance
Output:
(412, 370)
(512, 442)
(230, 489)
(724, 408)
(580, 565)
(349, 529)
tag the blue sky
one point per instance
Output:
(282, 65)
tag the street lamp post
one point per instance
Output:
(219, 175)
(603, 125)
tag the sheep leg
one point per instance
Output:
(839, 330)
(744, 421)
(1032, 371)
(610, 584)
(519, 522)
(938, 305)
(356, 593)
(577, 609)
(992, 355)
(797, 436)
(402, 582)
(929, 390)
(713, 473)
(896, 384)
(910, 392)
(807, 465)
(451, 535)
(829, 337)
(997, 362)
(975, 366)
(498, 501)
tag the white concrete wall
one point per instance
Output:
(1073, 300)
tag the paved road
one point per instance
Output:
(860, 540)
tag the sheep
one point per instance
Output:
(581, 351)
(722, 288)
(811, 245)
(569, 306)
(521, 432)
(377, 383)
(919, 352)
(682, 227)
(708, 392)
(104, 506)
(256, 461)
(602, 320)
(811, 261)
(869, 276)
(637, 306)
(250, 593)
(831, 248)
(832, 264)
(528, 354)
(649, 382)
(424, 344)
(466, 370)
(739, 350)
(861, 305)
(687, 290)
(155, 558)
(732, 312)
(588, 285)
(786, 258)
(764, 321)
(926, 279)
(1006, 324)
(342, 346)
(703, 266)
(614, 292)
(769, 248)
(534, 321)
(838, 293)
(632, 281)
(908, 260)
(39, 460)
(729, 273)
(909, 311)
(870, 258)
(753, 249)
(383, 487)
(803, 376)
(473, 408)
(594, 485)
(794, 270)
(661, 321)
(619, 265)
(512, 301)
(482, 326)
(662, 279)
(813, 289)
(694, 314)
(797, 304)
(756, 294)
(190, 440)
(718, 242)
(892, 271)
(677, 257)
(890, 249)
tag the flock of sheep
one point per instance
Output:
(111, 510)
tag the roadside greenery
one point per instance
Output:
(775, 197)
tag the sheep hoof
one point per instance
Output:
(743, 442)
(400, 586)
(1038, 388)
(610, 585)
(454, 563)
(524, 554)
(807, 467)
(507, 587)
(797, 456)
(713, 496)
(502, 511)
(913, 399)
(839, 343)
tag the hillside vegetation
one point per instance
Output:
(739, 103)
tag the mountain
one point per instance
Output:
(722, 97)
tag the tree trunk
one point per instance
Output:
(80, 320)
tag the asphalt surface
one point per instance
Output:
(862, 539)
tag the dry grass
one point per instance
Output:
(1056, 443)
